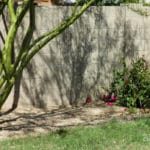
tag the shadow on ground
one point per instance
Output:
(36, 121)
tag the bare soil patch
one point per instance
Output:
(33, 121)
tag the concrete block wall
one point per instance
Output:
(80, 61)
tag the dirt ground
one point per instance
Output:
(33, 121)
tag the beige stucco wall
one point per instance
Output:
(80, 61)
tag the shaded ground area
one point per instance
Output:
(30, 121)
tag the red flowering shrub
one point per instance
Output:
(132, 84)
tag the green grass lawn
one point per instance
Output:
(134, 135)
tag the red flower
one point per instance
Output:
(105, 98)
(124, 109)
(88, 100)
(113, 98)
(109, 104)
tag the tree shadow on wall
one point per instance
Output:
(80, 60)
(90, 49)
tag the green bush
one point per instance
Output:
(104, 2)
(110, 2)
(131, 1)
(132, 85)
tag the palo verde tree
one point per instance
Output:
(11, 68)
